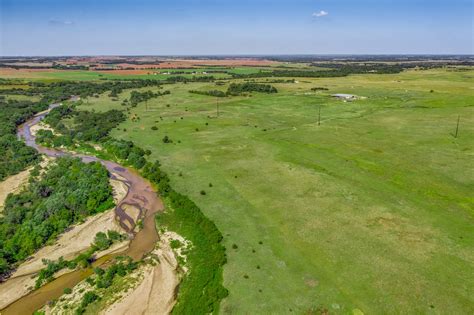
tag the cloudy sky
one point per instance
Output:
(186, 27)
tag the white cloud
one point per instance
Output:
(320, 13)
(60, 22)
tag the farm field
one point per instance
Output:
(84, 75)
(371, 211)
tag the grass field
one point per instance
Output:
(371, 211)
(84, 75)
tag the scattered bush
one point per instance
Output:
(166, 139)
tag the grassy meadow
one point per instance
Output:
(371, 211)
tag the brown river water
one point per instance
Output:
(140, 195)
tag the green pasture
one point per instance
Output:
(371, 210)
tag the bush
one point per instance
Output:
(166, 139)
(101, 241)
(174, 244)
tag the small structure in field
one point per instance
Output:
(347, 97)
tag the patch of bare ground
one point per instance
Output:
(40, 126)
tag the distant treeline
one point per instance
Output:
(371, 58)
(69, 67)
(336, 70)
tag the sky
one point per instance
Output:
(225, 27)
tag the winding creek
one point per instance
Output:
(140, 195)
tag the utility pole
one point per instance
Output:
(319, 116)
(457, 127)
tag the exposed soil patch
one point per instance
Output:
(13, 184)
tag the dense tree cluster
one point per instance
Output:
(239, 88)
(126, 152)
(215, 93)
(67, 192)
(176, 79)
(87, 126)
(15, 156)
(93, 126)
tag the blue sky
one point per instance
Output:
(187, 27)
